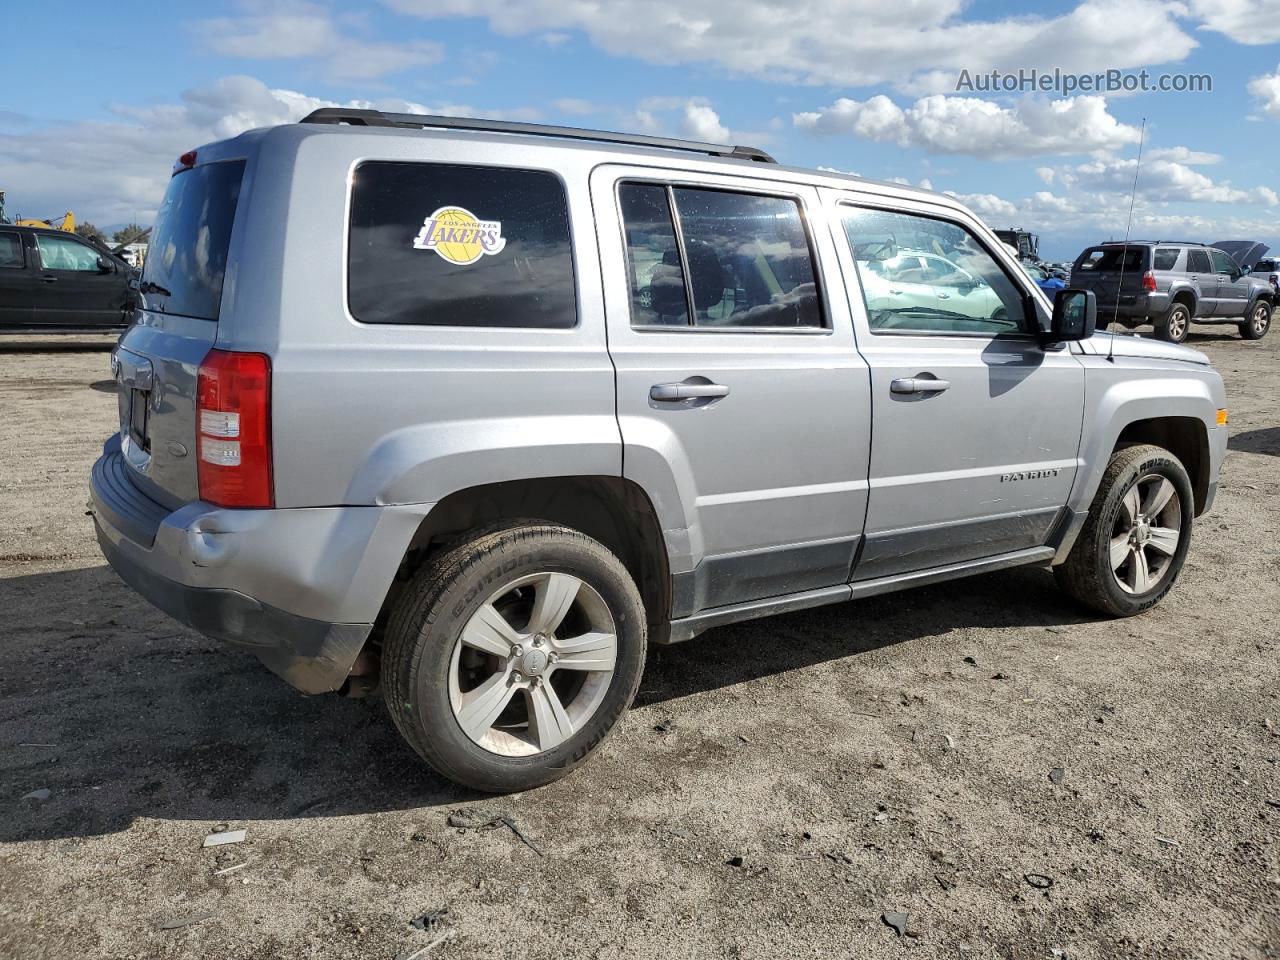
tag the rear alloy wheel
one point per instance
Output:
(1133, 544)
(508, 659)
(1176, 324)
(1259, 322)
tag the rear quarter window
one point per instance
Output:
(1165, 259)
(11, 251)
(456, 245)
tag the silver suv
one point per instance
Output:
(1172, 285)
(477, 411)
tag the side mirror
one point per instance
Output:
(1075, 317)
(1244, 271)
(104, 265)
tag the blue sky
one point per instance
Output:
(860, 86)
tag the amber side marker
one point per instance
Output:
(1222, 417)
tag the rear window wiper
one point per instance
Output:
(147, 286)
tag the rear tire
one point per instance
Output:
(1103, 570)
(1174, 325)
(1259, 322)
(552, 589)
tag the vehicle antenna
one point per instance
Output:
(1124, 254)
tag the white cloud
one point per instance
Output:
(1192, 158)
(969, 125)
(307, 31)
(1252, 22)
(909, 43)
(1159, 180)
(703, 123)
(1267, 89)
(115, 171)
(986, 205)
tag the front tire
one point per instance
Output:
(1259, 322)
(1133, 544)
(1175, 325)
(508, 659)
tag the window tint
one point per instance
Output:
(1166, 258)
(446, 244)
(746, 258)
(1222, 263)
(63, 253)
(653, 256)
(1198, 262)
(11, 251)
(1113, 259)
(1265, 265)
(962, 290)
(749, 260)
(187, 257)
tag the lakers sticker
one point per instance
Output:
(459, 236)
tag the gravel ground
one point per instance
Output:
(854, 757)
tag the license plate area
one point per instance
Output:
(138, 404)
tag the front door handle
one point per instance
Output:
(48, 279)
(673, 392)
(918, 385)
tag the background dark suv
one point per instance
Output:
(54, 280)
(1171, 285)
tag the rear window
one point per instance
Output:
(1166, 259)
(451, 245)
(1108, 259)
(187, 257)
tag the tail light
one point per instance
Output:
(1274, 278)
(1149, 282)
(233, 429)
(185, 162)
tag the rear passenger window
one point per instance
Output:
(1166, 259)
(11, 251)
(450, 245)
(1198, 262)
(736, 259)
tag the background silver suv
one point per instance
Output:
(482, 409)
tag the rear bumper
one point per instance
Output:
(1136, 307)
(300, 588)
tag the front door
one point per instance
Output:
(1233, 289)
(78, 291)
(742, 402)
(975, 426)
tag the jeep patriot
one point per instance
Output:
(475, 411)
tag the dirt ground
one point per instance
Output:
(852, 756)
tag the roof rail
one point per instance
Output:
(377, 118)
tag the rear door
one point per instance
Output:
(975, 426)
(741, 397)
(77, 290)
(1233, 288)
(18, 282)
(1200, 269)
(1113, 273)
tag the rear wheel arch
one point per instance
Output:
(1186, 438)
(614, 511)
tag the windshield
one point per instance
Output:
(188, 255)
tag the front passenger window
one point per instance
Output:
(924, 275)
(58, 253)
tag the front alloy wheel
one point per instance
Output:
(1259, 322)
(1135, 539)
(1146, 533)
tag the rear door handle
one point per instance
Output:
(672, 392)
(918, 385)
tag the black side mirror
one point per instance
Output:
(1245, 271)
(104, 265)
(1075, 317)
